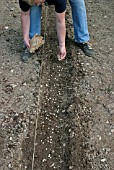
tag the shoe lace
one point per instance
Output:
(89, 46)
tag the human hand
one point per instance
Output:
(62, 52)
(27, 42)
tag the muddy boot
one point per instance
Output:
(26, 56)
(86, 48)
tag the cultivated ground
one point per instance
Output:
(73, 100)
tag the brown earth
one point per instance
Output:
(73, 100)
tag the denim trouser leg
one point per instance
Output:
(79, 20)
(35, 20)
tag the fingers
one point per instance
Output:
(27, 43)
(62, 54)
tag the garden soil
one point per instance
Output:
(57, 114)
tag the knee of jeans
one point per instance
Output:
(78, 3)
(35, 8)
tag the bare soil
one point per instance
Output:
(73, 100)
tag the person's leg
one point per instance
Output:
(35, 20)
(80, 26)
(79, 20)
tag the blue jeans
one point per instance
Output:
(79, 20)
(35, 20)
